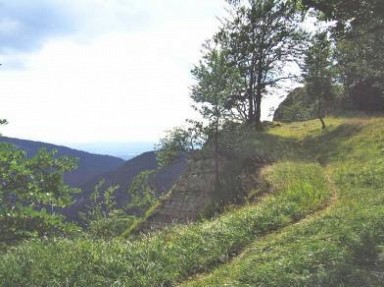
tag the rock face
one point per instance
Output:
(190, 197)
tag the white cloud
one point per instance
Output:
(106, 81)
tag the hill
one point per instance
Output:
(123, 176)
(297, 106)
(89, 165)
(316, 220)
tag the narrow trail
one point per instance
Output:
(305, 220)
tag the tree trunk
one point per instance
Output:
(251, 108)
(319, 115)
(258, 95)
(323, 126)
(258, 107)
(216, 143)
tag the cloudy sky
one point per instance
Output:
(76, 71)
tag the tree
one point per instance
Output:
(318, 73)
(30, 186)
(179, 140)
(103, 219)
(358, 32)
(349, 13)
(259, 39)
(142, 193)
(212, 93)
(361, 58)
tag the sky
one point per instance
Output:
(82, 71)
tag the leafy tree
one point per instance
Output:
(103, 204)
(28, 186)
(361, 58)
(142, 193)
(259, 39)
(103, 219)
(358, 33)
(318, 73)
(179, 140)
(212, 93)
(349, 13)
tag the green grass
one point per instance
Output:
(319, 222)
(341, 246)
(175, 253)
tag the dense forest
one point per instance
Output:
(294, 202)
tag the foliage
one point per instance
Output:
(212, 95)
(103, 219)
(360, 56)
(30, 186)
(216, 83)
(259, 39)
(142, 193)
(358, 33)
(103, 203)
(347, 13)
(179, 140)
(319, 75)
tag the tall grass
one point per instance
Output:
(175, 253)
(342, 246)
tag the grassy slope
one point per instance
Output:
(319, 225)
(343, 244)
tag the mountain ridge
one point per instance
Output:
(89, 166)
(122, 176)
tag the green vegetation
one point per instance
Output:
(102, 218)
(31, 189)
(318, 221)
(319, 74)
(341, 246)
(315, 217)
(297, 106)
(179, 140)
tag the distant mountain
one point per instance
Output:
(89, 166)
(163, 180)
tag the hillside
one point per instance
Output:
(123, 176)
(316, 219)
(89, 165)
(115, 171)
(297, 106)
